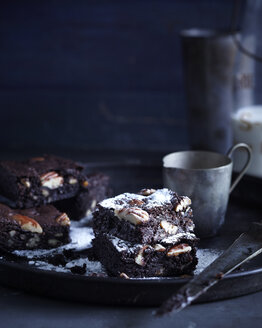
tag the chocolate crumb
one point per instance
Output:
(78, 269)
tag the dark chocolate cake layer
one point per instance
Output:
(42, 227)
(85, 201)
(40, 180)
(171, 257)
(144, 218)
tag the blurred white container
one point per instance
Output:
(247, 115)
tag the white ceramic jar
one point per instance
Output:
(247, 115)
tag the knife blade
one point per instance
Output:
(245, 247)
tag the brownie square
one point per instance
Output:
(146, 234)
(85, 201)
(170, 257)
(40, 180)
(42, 227)
(144, 218)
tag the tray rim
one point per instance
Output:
(148, 280)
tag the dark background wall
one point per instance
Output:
(97, 74)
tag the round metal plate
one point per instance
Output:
(149, 291)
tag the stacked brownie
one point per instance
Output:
(42, 193)
(146, 234)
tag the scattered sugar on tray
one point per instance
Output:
(81, 238)
(205, 257)
(50, 267)
(30, 254)
(91, 266)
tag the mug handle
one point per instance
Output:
(244, 169)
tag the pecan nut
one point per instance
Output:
(26, 182)
(51, 180)
(63, 220)
(179, 249)
(27, 223)
(159, 248)
(184, 203)
(133, 215)
(147, 192)
(72, 180)
(139, 259)
(169, 228)
(123, 275)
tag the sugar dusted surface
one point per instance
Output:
(91, 266)
(81, 239)
(160, 197)
(120, 200)
(205, 257)
(124, 246)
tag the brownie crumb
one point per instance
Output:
(78, 269)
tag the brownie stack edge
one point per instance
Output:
(146, 234)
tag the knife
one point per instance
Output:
(244, 248)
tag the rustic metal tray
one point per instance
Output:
(131, 176)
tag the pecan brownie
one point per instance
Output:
(42, 227)
(40, 180)
(85, 201)
(173, 256)
(145, 234)
(147, 217)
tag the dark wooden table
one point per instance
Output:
(18, 309)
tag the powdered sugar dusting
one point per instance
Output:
(159, 198)
(120, 200)
(90, 266)
(81, 237)
(124, 246)
(205, 257)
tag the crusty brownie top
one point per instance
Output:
(39, 165)
(147, 199)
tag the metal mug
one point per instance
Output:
(205, 177)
